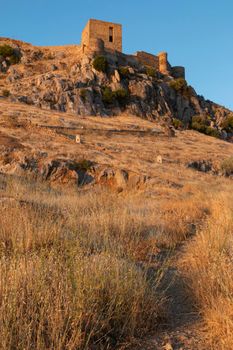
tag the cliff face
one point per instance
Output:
(64, 79)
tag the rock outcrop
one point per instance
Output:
(69, 83)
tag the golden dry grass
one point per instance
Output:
(208, 265)
(74, 264)
(68, 277)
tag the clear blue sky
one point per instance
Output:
(197, 34)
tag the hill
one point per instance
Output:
(115, 227)
(66, 79)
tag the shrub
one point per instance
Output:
(151, 72)
(178, 124)
(85, 164)
(227, 166)
(6, 93)
(100, 64)
(83, 94)
(107, 95)
(212, 132)
(121, 96)
(180, 86)
(124, 72)
(8, 53)
(200, 123)
(227, 124)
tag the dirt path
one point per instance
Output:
(183, 328)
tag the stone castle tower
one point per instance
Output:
(99, 35)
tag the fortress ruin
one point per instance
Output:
(99, 37)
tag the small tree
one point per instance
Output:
(100, 64)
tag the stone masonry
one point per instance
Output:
(97, 33)
(100, 36)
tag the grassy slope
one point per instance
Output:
(75, 262)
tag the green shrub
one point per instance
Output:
(201, 123)
(107, 95)
(6, 93)
(180, 85)
(124, 72)
(85, 164)
(178, 124)
(83, 94)
(121, 96)
(212, 132)
(100, 64)
(8, 53)
(227, 166)
(227, 124)
(151, 72)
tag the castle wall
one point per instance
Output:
(148, 59)
(178, 72)
(109, 33)
(85, 36)
(164, 66)
(99, 35)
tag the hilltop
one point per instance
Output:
(106, 84)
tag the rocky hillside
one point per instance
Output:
(64, 79)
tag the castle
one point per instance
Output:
(106, 37)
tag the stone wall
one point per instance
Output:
(164, 66)
(109, 33)
(148, 59)
(178, 72)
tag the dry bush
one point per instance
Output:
(208, 266)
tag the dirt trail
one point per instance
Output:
(182, 330)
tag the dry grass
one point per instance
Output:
(74, 264)
(208, 266)
(68, 275)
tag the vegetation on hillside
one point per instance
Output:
(227, 124)
(201, 123)
(180, 86)
(9, 54)
(100, 64)
(227, 166)
(119, 95)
